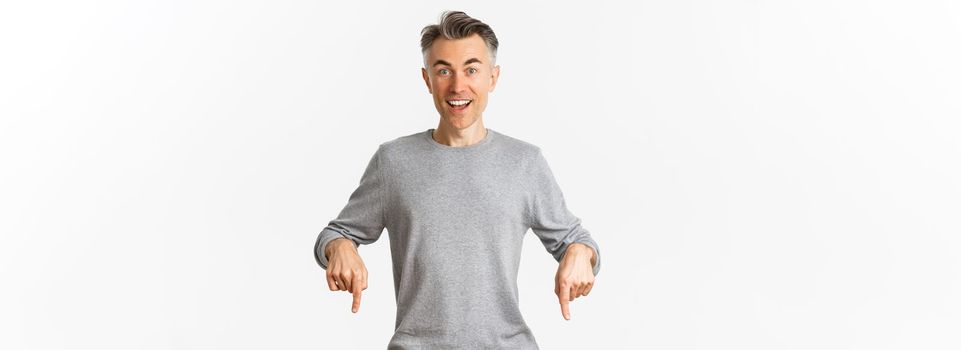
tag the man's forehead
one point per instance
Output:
(447, 63)
(464, 51)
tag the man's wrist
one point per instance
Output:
(581, 248)
(336, 244)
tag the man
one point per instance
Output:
(457, 201)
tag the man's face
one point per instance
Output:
(458, 71)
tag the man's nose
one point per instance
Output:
(458, 83)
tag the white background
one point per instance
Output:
(759, 175)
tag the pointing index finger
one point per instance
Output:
(356, 291)
(565, 294)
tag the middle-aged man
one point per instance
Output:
(457, 201)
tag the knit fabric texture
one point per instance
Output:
(456, 218)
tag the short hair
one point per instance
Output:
(457, 25)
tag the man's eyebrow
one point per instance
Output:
(469, 61)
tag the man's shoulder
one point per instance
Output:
(517, 146)
(401, 143)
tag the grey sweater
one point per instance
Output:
(456, 218)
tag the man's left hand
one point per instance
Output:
(575, 275)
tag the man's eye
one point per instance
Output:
(443, 71)
(472, 70)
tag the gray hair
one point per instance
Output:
(457, 25)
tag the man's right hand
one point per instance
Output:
(345, 269)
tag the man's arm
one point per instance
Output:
(363, 219)
(562, 234)
(555, 226)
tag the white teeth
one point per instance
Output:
(458, 102)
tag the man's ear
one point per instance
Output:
(423, 72)
(496, 73)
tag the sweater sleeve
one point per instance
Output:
(362, 220)
(555, 226)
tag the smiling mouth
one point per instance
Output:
(458, 104)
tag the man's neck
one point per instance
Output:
(470, 135)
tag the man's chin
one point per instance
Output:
(460, 121)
